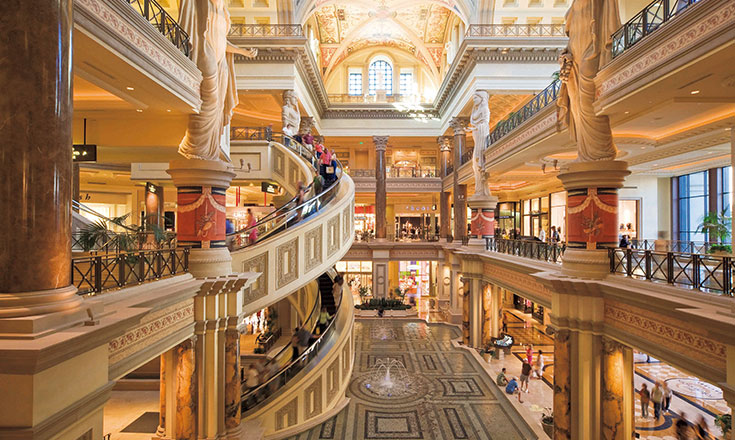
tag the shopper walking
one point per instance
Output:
(529, 354)
(295, 351)
(667, 396)
(525, 374)
(538, 367)
(682, 427)
(645, 400)
(657, 397)
(702, 429)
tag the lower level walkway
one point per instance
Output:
(445, 393)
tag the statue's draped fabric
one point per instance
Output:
(589, 25)
(290, 114)
(480, 120)
(207, 22)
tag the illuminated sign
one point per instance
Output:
(84, 153)
(270, 188)
(149, 187)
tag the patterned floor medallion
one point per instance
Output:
(448, 397)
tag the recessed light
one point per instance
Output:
(643, 148)
(694, 92)
(130, 88)
(168, 110)
(139, 110)
(655, 164)
(627, 113)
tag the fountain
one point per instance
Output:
(388, 378)
(382, 331)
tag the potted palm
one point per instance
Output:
(717, 226)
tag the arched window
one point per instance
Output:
(380, 76)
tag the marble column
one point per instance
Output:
(35, 196)
(444, 215)
(233, 407)
(466, 314)
(476, 312)
(161, 431)
(445, 150)
(562, 386)
(592, 215)
(459, 191)
(460, 213)
(381, 142)
(617, 391)
(201, 213)
(187, 395)
(487, 314)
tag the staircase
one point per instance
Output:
(325, 289)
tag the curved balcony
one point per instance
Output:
(310, 388)
(301, 240)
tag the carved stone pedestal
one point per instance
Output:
(201, 213)
(592, 215)
(482, 223)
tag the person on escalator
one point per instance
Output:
(318, 150)
(337, 286)
(253, 236)
(300, 196)
(324, 162)
(324, 318)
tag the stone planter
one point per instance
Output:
(548, 428)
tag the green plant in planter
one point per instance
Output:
(717, 225)
(724, 422)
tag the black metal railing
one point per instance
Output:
(706, 273)
(251, 133)
(266, 30)
(254, 397)
(292, 212)
(515, 30)
(538, 250)
(646, 22)
(450, 169)
(94, 274)
(467, 156)
(426, 236)
(161, 20)
(686, 247)
(540, 101)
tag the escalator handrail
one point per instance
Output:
(285, 211)
(245, 396)
(85, 208)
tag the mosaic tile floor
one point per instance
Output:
(451, 397)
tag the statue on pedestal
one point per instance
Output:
(480, 120)
(208, 22)
(589, 26)
(290, 114)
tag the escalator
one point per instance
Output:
(326, 284)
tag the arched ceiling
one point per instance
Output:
(416, 27)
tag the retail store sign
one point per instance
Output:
(84, 153)
(269, 188)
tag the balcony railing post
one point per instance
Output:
(97, 274)
(121, 270)
(696, 264)
(648, 264)
(727, 276)
(611, 257)
(629, 262)
(159, 263)
(141, 267)
(670, 267)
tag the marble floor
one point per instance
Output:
(125, 407)
(692, 397)
(449, 395)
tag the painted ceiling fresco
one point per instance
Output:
(419, 28)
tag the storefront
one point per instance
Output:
(558, 214)
(364, 220)
(239, 214)
(508, 218)
(357, 274)
(527, 306)
(535, 213)
(628, 218)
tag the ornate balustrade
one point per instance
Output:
(707, 273)
(646, 22)
(266, 30)
(544, 99)
(161, 20)
(251, 133)
(371, 99)
(97, 273)
(537, 250)
(467, 156)
(515, 30)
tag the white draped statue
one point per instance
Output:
(480, 121)
(589, 25)
(290, 114)
(208, 22)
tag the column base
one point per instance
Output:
(586, 263)
(478, 244)
(26, 304)
(212, 262)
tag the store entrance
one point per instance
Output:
(527, 306)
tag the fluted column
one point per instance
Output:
(36, 158)
(233, 407)
(187, 395)
(381, 142)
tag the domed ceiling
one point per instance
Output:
(419, 28)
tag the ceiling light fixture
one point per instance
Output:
(694, 92)
(627, 113)
(168, 110)
(139, 110)
(130, 88)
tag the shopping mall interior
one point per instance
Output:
(345, 219)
